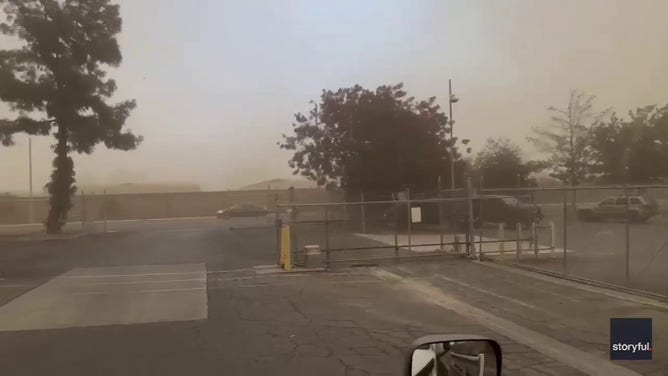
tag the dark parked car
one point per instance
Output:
(505, 209)
(486, 209)
(640, 209)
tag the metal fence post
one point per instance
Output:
(440, 210)
(104, 193)
(410, 217)
(293, 225)
(326, 238)
(565, 229)
(345, 214)
(628, 235)
(552, 237)
(470, 244)
(363, 214)
(83, 210)
(279, 225)
(518, 241)
(534, 237)
(482, 220)
(396, 230)
(502, 237)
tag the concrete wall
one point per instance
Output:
(154, 205)
(195, 204)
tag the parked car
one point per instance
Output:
(505, 209)
(486, 208)
(242, 211)
(640, 209)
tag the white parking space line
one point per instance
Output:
(97, 276)
(141, 275)
(15, 286)
(487, 292)
(104, 292)
(584, 287)
(143, 282)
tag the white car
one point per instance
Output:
(251, 215)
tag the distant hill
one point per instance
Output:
(280, 184)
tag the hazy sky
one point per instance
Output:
(217, 82)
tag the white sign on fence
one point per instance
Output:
(416, 214)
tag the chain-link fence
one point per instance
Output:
(100, 211)
(360, 232)
(614, 234)
(404, 225)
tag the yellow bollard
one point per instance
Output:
(286, 252)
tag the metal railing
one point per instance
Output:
(344, 230)
(621, 251)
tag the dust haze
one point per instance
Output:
(217, 83)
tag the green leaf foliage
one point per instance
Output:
(56, 84)
(371, 140)
(501, 166)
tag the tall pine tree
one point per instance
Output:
(56, 84)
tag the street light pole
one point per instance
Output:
(451, 99)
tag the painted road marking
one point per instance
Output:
(16, 286)
(65, 302)
(103, 292)
(97, 276)
(487, 292)
(140, 281)
(153, 274)
(581, 286)
(588, 363)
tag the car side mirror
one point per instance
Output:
(454, 354)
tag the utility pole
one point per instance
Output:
(31, 215)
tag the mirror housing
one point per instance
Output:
(453, 354)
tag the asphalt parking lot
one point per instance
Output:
(192, 296)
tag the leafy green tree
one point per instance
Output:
(372, 141)
(632, 151)
(565, 138)
(56, 83)
(501, 166)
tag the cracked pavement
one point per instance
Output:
(346, 322)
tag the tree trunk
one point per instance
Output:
(61, 187)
